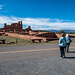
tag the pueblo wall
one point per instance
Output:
(47, 35)
(58, 35)
(27, 37)
(13, 26)
(72, 35)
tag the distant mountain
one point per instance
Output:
(66, 31)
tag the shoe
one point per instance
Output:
(63, 56)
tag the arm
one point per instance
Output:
(59, 40)
(70, 39)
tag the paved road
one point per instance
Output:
(36, 60)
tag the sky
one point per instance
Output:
(39, 14)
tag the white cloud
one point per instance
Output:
(40, 23)
(1, 6)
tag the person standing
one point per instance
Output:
(68, 41)
(62, 45)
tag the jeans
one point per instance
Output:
(62, 52)
(68, 47)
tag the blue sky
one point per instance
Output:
(39, 14)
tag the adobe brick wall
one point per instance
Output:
(58, 35)
(47, 35)
(27, 37)
(72, 35)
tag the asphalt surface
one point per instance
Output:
(36, 60)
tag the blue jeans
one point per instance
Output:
(62, 52)
(68, 47)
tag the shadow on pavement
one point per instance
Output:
(69, 57)
(71, 52)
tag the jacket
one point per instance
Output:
(62, 42)
(68, 40)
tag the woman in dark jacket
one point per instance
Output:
(68, 41)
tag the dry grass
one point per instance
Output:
(24, 42)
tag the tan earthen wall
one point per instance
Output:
(58, 35)
(25, 36)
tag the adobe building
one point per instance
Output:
(13, 27)
(47, 34)
(18, 28)
(27, 29)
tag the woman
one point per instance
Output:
(62, 45)
(68, 41)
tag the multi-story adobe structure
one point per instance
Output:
(13, 27)
(18, 28)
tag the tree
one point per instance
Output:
(61, 31)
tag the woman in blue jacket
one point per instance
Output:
(62, 45)
(68, 41)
